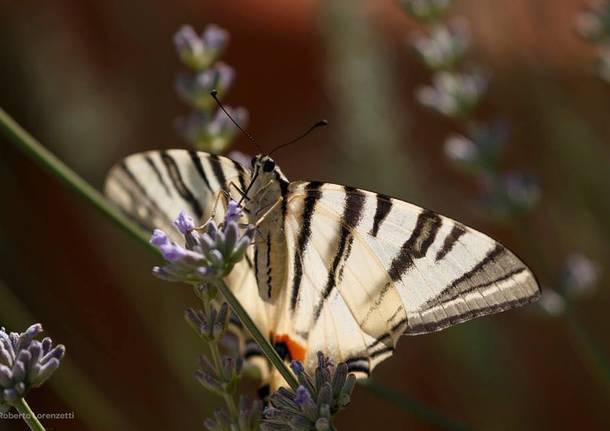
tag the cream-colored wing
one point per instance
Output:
(153, 187)
(365, 268)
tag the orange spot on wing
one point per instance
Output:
(297, 352)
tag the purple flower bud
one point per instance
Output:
(26, 338)
(302, 396)
(6, 376)
(233, 213)
(187, 40)
(57, 352)
(297, 367)
(10, 395)
(18, 371)
(184, 223)
(47, 343)
(159, 238)
(215, 37)
(172, 252)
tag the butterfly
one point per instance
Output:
(333, 268)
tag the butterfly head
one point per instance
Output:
(264, 168)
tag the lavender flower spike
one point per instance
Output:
(318, 397)
(205, 256)
(25, 363)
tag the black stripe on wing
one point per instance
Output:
(417, 245)
(382, 209)
(456, 233)
(199, 168)
(178, 182)
(158, 174)
(350, 219)
(312, 195)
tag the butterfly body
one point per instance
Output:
(265, 206)
(333, 268)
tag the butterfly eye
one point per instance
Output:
(268, 166)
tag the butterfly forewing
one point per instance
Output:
(396, 267)
(153, 187)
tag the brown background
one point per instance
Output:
(94, 82)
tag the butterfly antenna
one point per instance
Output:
(320, 123)
(214, 95)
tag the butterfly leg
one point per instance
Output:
(214, 207)
(269, 211)
(239, 190)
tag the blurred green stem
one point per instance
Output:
(589, 348)
(28, 144)
(417, 408)
(28, 415)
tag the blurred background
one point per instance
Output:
(94, 81)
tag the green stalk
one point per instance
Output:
(28, 415)
(28, 144)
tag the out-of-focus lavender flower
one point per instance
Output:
(579, 275)
(205, 256)
(199, 52)
(453, 94)
(603, 64)
(206, 127)
(594, 22)
(315, 401)
(444, 46)
(552, 302)
(522, 190)
(195, 90)
(249, 418)
(461, 149)
(426, 10)
(25, 363)
(212, 133)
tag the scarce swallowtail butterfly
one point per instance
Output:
(333, 268)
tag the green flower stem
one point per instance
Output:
(28, 415)
(262, 342)
(418, 409)
(28, 144)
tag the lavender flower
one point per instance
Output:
(317, 399)
(248, 420)
(594, 22)
(212, 132)
(552, 302)
(580, 275)
(25, 363)
(195, 90)
(206, 128)
(200, 52)
(444, 46)
(453, 94)
(204, 257)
